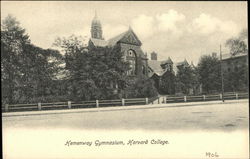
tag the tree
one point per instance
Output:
(141, 88)
(27, 70)
(186, 79)
(95, 73)
(39, 70)
(209, 73)
(167, 83)
(13, 38)
(238, 44)
(71, 46)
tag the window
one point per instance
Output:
(131, 53)
(131, 58)
(143, 70)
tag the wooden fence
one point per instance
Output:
(74, 105)
(212, 97)
(120, 102)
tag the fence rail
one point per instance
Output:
(213, 97)
(74, 104)
(121, 102)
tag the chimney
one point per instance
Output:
(154, 56)
(214, 54)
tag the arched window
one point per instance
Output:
(131, 58)
(143, 70)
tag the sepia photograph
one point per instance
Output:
(124, 79)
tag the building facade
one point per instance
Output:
(129, 45)
(235, 72)
(162, 73)
(234, 63)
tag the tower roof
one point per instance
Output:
(95, 20)
(96, 28)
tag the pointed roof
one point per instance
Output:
(185, 63)
(155, 66)
(125, 37)
(168, 61)
(129, 28)
(192, 64)
(115, 39)
(128, 37)
(95, 20)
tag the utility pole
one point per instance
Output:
(222, 81)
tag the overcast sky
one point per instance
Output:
(176, 29)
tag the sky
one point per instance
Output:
(179, 30)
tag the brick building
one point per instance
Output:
(162, 73)
(235, 72)
(130, 47)
(233, 63)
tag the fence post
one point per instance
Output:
(220, 96)
(237, 96)
(69, 104)
(39, 106)
(185, 98)
(158, 100)
(146, 100)
(6, 107)
(97, 104)
(204, 97)
(123, 102)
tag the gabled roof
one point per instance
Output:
(168, 61)
(175, 69)
(126, 37)
(113, 41)
(155, 66)
(182, 63)
(99, 42)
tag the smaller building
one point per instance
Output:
(162, 73)
(235, 72)
(234, 62)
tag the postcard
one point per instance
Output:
(124, 79)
